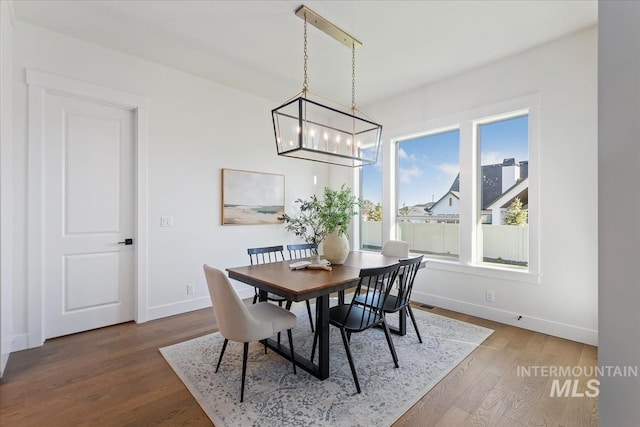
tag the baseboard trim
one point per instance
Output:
(160, 311)
(545, 326)
(19, 342)
(172, 309)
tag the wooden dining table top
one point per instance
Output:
(300, 285)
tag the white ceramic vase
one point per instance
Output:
(335, 248)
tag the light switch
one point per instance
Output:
(166, 221)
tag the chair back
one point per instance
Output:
(406, 276)
(368, 299)
(396, 248)
(266, 254)
(302, 250)
(235, 322)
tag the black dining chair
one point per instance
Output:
(303, 250)
(266, 255)
(364, 311)
(401, 297)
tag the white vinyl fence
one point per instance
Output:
(508, 243)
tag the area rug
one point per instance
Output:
(274, 396)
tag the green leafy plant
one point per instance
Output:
(371, 212)
(516, 214)
(337, 208)
(319, 217)
(307, 225)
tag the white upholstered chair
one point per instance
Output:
(245, 324)
(395, 248)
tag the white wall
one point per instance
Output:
(196, 127)
(563, 74)
(619, 229)
(6, 191)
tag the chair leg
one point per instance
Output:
(265, 346)
(224, 347)
(293, 354)
(391, 347)
(255, 296)
(415, 325)
(310, 316)
(244, 369)
(348, 351)
(315, 343)
(287, 306)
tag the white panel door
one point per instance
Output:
(89, 209)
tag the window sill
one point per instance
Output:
(503, 273)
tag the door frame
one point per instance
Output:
(39, 84)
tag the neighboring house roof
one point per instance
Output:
(491, 182)
(428, 206)
(455, 194)
(520, 190)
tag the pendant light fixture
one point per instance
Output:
(306, 128)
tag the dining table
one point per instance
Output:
(304, 284)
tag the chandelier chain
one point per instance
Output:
(353, 77)
(305, 84)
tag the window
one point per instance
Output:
(504, 191)
(371, 212)
(465, 190)
(428, 193)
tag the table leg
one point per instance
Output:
(322, 328)
(321, 370)
(402, 324)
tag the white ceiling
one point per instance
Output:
(257, 45)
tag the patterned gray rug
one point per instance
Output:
(274, 396)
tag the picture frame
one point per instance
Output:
(252, 198)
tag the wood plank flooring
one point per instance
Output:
(116, 376)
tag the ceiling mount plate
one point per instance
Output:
(328, 27)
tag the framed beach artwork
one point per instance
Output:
(251, 197)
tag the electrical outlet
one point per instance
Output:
(189, 288)
(166, 221)
(490, 296)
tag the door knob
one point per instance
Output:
(126, 242)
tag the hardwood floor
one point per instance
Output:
(116, 376)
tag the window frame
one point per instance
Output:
(470, 220)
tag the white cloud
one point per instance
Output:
(407, 174)
(449, 168)
(492, 158)
(402, 155)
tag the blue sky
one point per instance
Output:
(429, 164)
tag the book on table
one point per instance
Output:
(299, 265)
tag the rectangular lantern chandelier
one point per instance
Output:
(306, 128)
